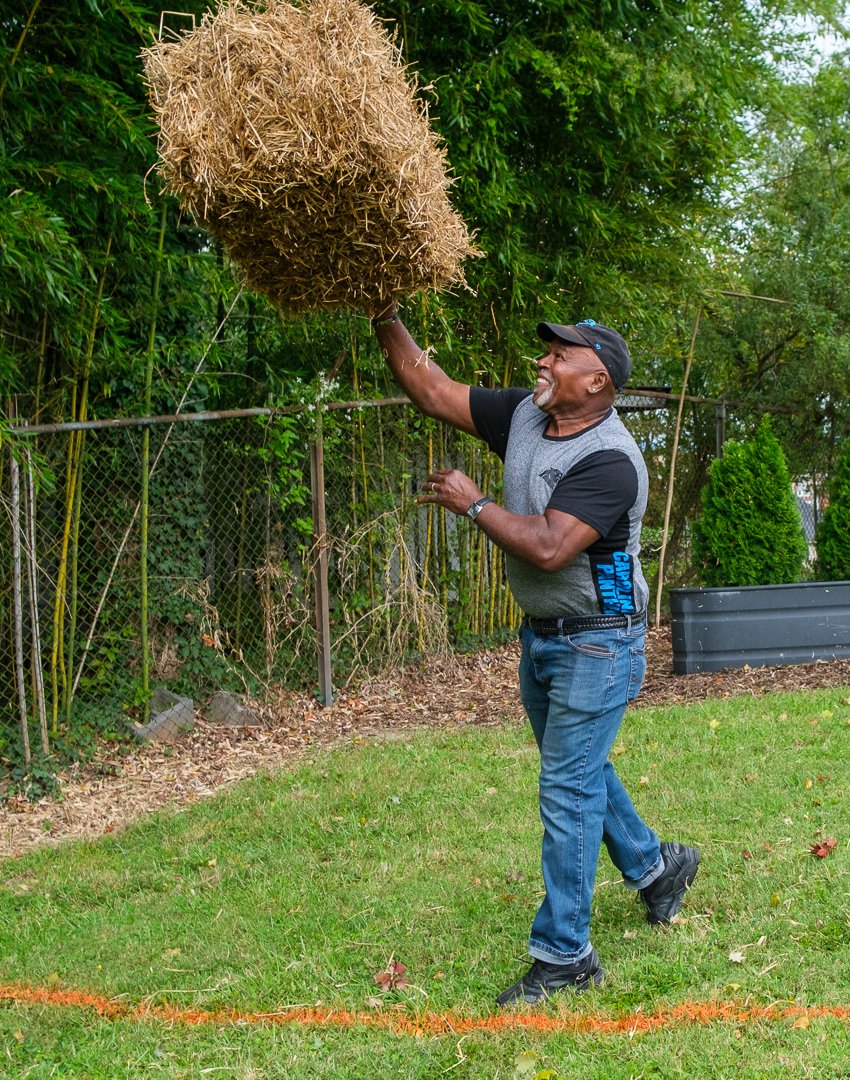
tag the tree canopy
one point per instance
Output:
(594, 146)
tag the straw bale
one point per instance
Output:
(294, 135)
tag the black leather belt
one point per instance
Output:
(574, 624)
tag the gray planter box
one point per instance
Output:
(757, 625)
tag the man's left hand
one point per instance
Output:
(451, 489)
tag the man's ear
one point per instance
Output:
(598, 381)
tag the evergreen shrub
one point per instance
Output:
(832, 538)
(750, 531)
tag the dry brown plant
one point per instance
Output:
(295, 135)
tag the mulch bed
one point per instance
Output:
(110, 793)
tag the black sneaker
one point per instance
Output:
(664, 897)
(542, 980)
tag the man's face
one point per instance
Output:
(562, 374)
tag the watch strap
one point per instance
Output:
(476, 508)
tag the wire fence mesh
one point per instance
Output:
(234, 604)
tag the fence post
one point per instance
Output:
(18, 606)
(320, 564)
(720, 426)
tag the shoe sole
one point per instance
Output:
(683, 881)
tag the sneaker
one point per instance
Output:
(664, 897)
(543, 979)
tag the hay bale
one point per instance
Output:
(293, 134)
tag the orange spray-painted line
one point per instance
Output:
(427, 1023)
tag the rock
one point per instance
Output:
(225, 708)
(171, 716)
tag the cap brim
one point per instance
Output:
(553, 331)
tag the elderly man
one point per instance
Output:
(575, 488)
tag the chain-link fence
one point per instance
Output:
(150, 569)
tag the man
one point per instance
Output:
(575, 488)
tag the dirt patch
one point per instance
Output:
(107, 795)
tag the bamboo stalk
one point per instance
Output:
(144, 495)
(57, 650)
(429, 544)
(444, 536)
(18, 47)
(672, 478)
(18, 609)
(364, 475)
(250, 350)
(74, 579)
(463, 542)
(240, 549)
(70, 534)
(118, 555)
(39, 374)
(35, 618)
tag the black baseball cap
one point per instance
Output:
(608, 345)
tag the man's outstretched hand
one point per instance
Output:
(451, 489)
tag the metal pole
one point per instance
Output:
(720, 426)
(18, 609)
(320, 565)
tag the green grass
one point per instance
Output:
(298, 888)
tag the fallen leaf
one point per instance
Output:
(745, 854)
(803, 1022)
(736, 956)
(821, 849)
(525, 1063)
(392, 977)
(373, 1003)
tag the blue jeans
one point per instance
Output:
(575, 689)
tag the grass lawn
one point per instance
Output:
(297, 889)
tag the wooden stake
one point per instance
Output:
(672, 478)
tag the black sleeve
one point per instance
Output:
(598, 490)
(491, 413)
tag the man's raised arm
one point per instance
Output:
(424, 381)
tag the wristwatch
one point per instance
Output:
(476, 508)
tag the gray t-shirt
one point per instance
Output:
(598, 476)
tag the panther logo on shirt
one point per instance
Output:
(551, 476)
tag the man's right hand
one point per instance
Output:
(423, 380)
